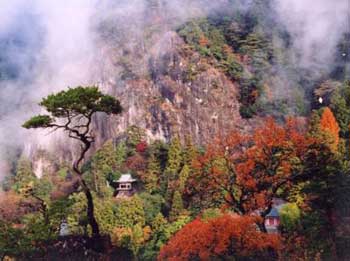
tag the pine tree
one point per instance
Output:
(158, 223)
(190, 152)
(173, 165)
(183, 176)
(177, 206)
(121, 153)
(152, 175)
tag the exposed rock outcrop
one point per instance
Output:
(180, 93)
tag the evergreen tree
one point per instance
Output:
(130, 212)
(72, 111)
(152, 204)
(340, 102)
(177, 206)
(160, 151)
(103, 166)
(183, 176)
(158, 238)
(159, 223)
(121, 153)
(190, 152)
(152, 175)
(173, 165)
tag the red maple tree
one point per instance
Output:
(141, 146)
(222, 237)
(245, 172)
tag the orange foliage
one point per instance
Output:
(13, 207)
(203, 41)
(329, 124)
(136, 163)
(225, 236)
(245, 171)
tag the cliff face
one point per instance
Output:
(177, 93)
(164, 85)
(165, 88)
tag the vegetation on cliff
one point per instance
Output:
(232, 135)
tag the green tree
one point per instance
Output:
(152, 174)
(340, 102)
(103, 166)
(131, 238)
(37, 228)
(121, 153)
(323, 168)
(152, 205)
(59, 211)
(130, 212)
(210, 213)
(160, 151)
(176, 207)
(39, 190)
(159, 222)
(13, 241)
(158, 238)
(290, 216)
(77, 217)
(72, 111)
(190, 152)
(105, 215)
(162, 232)
(137, 239)
(173, 165)
(183, 176)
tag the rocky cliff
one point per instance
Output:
(177, 93)
(192, 72)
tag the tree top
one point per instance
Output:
(79, 101)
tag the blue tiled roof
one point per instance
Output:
(273, 213)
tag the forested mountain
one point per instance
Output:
(175, 130)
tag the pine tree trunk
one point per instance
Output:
(90, 202)
(90, 211)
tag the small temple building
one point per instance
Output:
(125, 186)
(272, 221)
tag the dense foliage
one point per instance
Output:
(72, 111)
(193, 201)
(185, 195)
(227, 236)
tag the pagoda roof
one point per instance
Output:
(273, 213)
(125, 178)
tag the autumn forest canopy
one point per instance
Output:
(208, 136)
(194, 202)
